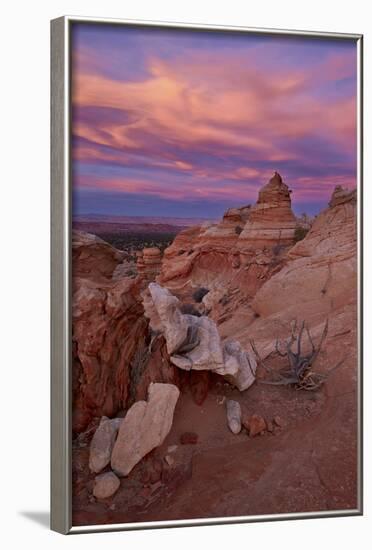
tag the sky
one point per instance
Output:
(186, 123)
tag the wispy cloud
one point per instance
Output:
(215, 119)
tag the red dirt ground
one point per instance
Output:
(309, 464)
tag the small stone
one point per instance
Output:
(189, 438)
(112, 507)
(105, 485)
(257, 425)
(234, 416)
(172, 448)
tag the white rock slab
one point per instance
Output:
(102, 443)
(144, 427)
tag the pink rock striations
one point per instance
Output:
(92, 257)
(149, 264)
(107, 327)
(318, 282)
(112, 362)
(271, 220)
(248, 239)
(320, 275)
(259, 283)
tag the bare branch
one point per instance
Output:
(299, 338)
(278, 350)
(322, 338)
(310, 340)
(300, 373)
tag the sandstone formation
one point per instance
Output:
(148, 263)
(105, 485)
(320, 276)
(317, 283)
(102, 444)
(241, 251)
(92, 257)
(260, 282)
(194, 343)
(271, 221)
(234, 416)
(144, 427)
(108, 326)
(112, 362)
(342, 196)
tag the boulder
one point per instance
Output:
(102, 443)
(92, 257)
(105, 485)
(234, 416)
(239, 366)
(194, 343)
(144, 427)
(255, 425)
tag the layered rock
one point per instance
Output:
(318, 282)
(242, 251)
(320, 276)
(226, 233)
(144, 427)
(92, 257)
(271, 220)
(148, 263)
(107, 327)
(342, 196)
(112, 361)
(194, 343)
(179, 257)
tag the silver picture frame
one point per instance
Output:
(61, 220)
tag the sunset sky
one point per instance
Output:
(189, 123)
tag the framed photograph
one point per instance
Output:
(206, 274)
